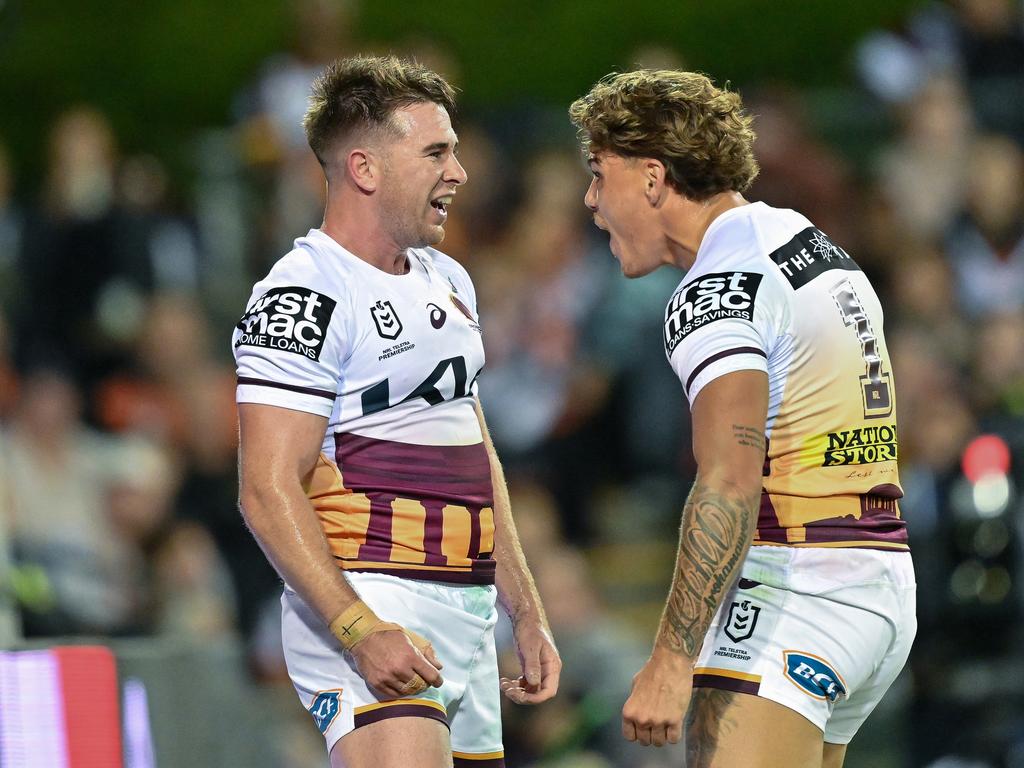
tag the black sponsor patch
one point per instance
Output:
(809, 254)
(713, 297)
(292, 319)
(863, 445)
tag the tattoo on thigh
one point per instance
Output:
(708, 719)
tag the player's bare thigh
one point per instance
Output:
(833, 755)
(726, 729)
(397, 742)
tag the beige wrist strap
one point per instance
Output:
(357, 622)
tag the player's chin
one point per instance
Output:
(632, 269)
(433, 234)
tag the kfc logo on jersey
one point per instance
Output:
(709, 298)
(386, 320)
(292, 319)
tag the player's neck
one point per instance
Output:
(362, 236)
(686, 222)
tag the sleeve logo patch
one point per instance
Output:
(292, 319)
(809, 254)
(712, 297)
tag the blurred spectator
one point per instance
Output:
(798, 170)
(155, 233)
(92, 258)
(978, 41)
(54, 473)
(538, 290)
(922, 297)
(162, 390)
(997, 372)
(991, 38)
(479, 215)
(193, 586)
(986, 246)
(177, 392)
(923, 173)
(288, 181)
(8, 373)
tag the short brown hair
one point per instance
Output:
(701, 133)
(362, 92)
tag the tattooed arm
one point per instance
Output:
(718, 524)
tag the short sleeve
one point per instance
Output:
(720, 323)
(288, 348)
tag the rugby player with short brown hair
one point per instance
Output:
(367, 473)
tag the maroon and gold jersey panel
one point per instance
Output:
(416, 511)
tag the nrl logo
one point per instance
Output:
(742, 620)
(386, 320)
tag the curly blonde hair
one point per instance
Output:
(701, 133)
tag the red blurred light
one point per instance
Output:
(985, 455)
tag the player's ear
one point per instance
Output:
(655, 186)
(364, 168)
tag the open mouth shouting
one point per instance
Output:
(441, 203)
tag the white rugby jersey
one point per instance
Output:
(770, 292)
(403, 483)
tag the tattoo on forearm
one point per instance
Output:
(713, 539)
(751, 437)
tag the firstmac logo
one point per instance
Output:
(293, 319)
(709, 298)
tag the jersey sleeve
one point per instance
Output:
(288, 348)
(720, 323)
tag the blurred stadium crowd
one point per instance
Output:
(119, 289)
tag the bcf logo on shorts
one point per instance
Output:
(813, 675)
(325, 708)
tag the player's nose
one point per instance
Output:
(456, 174)
(590, 199)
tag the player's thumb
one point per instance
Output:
(423, 646)
(531, 671)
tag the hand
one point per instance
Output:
(654, 711)
(397, 662)
(540, 662)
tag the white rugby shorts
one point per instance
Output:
(822, 631)
(459, 622)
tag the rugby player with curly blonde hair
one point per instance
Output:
(792, 605)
